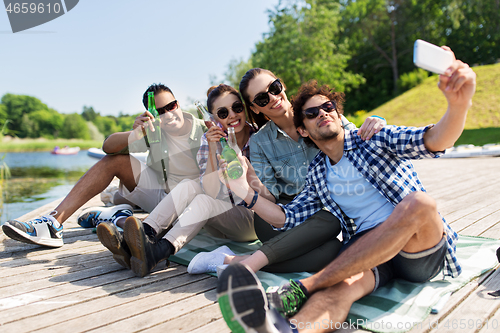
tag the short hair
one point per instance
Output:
(155, 88)
(306, 92)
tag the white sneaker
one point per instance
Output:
(92, 216)
(45, 230)
(207, 262)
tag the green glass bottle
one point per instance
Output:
(234, 169)
(153, 137)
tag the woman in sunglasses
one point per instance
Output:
(279, 162)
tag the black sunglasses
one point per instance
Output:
(262, 99)
(223, 112)
(167, 108)
(313, 112)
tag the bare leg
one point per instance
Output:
(255, 261)
(95, 180)
(234, 259)
(414, 226)
(328, 308)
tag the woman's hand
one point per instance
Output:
(371, 126)
(214, 134)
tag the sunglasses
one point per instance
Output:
(223, 112)
(313, 112)
(262, 99)
(167, 108)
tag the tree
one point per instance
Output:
(47, 123)
(106, 125)
(75, 127)
(473, 30)
(3, 114)
(303, 44)
(236, 70)
(381, 35)
(89, 114)
(18, 105)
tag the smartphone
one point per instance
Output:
(431, 57)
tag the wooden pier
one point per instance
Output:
(80, 288)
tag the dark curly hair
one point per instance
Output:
(308, 90)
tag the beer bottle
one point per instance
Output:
(231, 140)
(207, 117)
(234, 169)
(153, 137)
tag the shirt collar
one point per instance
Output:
(350, 139)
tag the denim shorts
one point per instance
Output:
(413, 267)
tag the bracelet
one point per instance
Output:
(254, 200)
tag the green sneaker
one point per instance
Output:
(286, 299)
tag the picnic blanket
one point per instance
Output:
(396, 307)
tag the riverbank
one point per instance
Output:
(11, 145)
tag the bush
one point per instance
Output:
(412, 79)
(75, 127)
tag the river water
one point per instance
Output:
(39, 178)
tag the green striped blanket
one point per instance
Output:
(396, 307)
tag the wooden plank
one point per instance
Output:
(15, 307)
(160, 314)
(478, 306)
(492, 325)
(470, 215)
(493, 232)
(56, 270)
(113, 308)
(190, 321)
(482, 225)
(216, 326)
(86, 257)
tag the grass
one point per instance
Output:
(27, 145)
(425, 104)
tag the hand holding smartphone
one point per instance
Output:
(431, 57)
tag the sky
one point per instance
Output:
(105, 53)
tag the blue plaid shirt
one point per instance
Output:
(385, 162)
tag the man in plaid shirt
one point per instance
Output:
(372, 187)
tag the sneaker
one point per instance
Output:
(92, 216)
(147, 252)
(207, 262)
(288, 298)
(45, 230)
(113, 240)
(221, 269)
(243, 302)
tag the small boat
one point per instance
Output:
(99, 153)
(65, 150)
